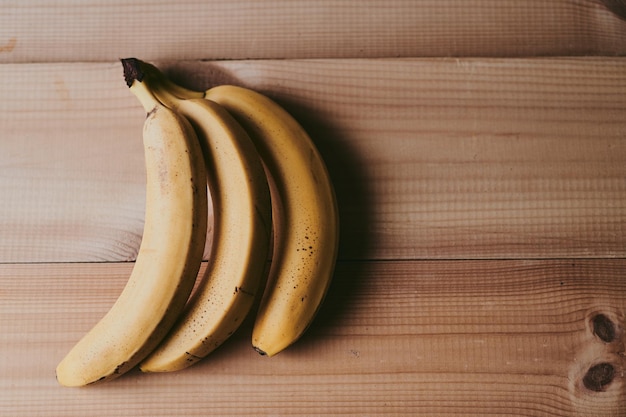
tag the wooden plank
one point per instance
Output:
(464, 159)
(432, 338)
(94, 30)
(431, 158)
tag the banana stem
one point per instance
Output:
(182, 92)
(167, 85)
(162, 93)
(134, 76)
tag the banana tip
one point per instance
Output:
(260, 351)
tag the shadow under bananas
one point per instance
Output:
(618, 7)
(348, 174)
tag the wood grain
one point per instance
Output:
(431, 158)
(481, 183)
(93, 30)
(432, 338)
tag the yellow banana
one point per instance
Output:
(305, 214)
(241, 237)
(306, 217)
(169, 257)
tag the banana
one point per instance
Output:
(306, 218)
(169, 256)
(304, 210)
(241, 237)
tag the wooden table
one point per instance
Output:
(478, 150)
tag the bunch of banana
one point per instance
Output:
(271, 194)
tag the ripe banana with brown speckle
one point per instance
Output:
(241, 236)
(170, 254)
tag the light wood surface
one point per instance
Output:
(439, 158)
(478, 150)
(435, 338)
(93, 30)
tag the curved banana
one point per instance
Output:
(241, 237)
(169, 257)
(305, 214)
(306, 217)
